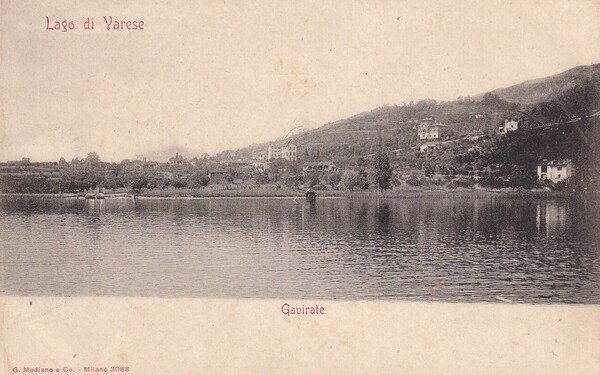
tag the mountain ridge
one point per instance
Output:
(572, 93)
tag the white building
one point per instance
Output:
(259, 155)
(555, 170)
(428, 129)
(287, 152)
(509, 126)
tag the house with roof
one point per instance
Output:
(287, 151)
(260, 155)
(477, 115)
(320, 167)
(429, 129)
(555, 170)
(509, 126)
(216, 172)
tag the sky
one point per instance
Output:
(217, 75)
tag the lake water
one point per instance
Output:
(426, 249)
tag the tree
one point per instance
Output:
(197, 180)
(351, 179)
(382, 173)
(137, 182)
(313, 179)
(92, 159)
(428, 170)
(333, 179)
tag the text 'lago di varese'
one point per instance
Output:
(108, 23)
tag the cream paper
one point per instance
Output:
(109, 77)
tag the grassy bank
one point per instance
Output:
(247, 192)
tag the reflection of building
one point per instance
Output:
(287, 152)
(555, 170)
(509, 126)
(320, 167)
(550, 217)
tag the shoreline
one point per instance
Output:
(295, 194)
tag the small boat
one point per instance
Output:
(90, 196)
(310, 195)
(99, 196)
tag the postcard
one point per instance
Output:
(313, 187)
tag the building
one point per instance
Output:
(425, 147)
(216, 172)
(428, 129)
(555, 170)
(260, 155)
(288, 152)
(474, 137)
(509, 126)
(260, 166)
(177, 160)
(320, 167)
(477, 115)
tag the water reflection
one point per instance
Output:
(450, 249)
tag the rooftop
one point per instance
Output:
(559, 162)
(319, 163)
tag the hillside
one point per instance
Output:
(574, 93)
(577, 80)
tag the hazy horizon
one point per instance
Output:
(224, 76)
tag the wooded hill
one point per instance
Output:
(536, 103)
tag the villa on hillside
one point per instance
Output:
(288, 152)
(555, 170)
(430, 130)
(474, 150)
(260, 155)
(320, 167)
(477, 115)
(509, 126)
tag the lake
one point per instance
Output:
(454, 249)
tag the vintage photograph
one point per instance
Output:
(414, 152)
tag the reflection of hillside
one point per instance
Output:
(414, 248)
